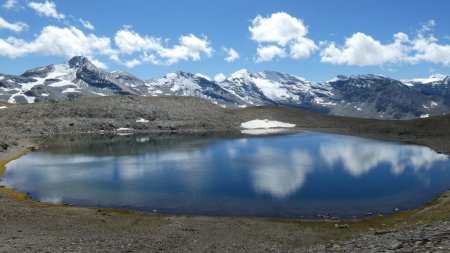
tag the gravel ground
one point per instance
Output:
(29, 226)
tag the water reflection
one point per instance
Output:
(270, 176)
(360, 157)
(280, 174)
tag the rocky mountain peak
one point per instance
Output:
(79, 61)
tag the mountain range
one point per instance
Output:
(366, 96)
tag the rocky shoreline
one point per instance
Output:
(30, 226)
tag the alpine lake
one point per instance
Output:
(304, 175)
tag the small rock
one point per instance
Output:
(4, 145)
(32, 148)
(383, 232)
(341, 225)
(394, 244)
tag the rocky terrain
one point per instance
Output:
(190, 114)
(364, 96)
(29, 226)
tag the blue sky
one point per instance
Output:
(313, 39)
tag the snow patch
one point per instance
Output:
(423, 116)
(62, 83)
(242, 73)
(220, 77)
(203, 76)
(263, 131)
(70, 90)
(98, 93)
(171, 75)
(320, 101)
(431, 79)
(273, 90)
(125, 129)
(265, 124)
(45, 94)
(141, 120)
(3, 107)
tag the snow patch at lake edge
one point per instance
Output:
(142, 120)
(265, 124)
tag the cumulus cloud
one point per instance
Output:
(15, 27)
(129, 42)
(47, 9)
(98, 63)
(68, 41)
(232, 54)
(132, 63)
(425, 47)
(279, 32)
(153, 50)
(9, 4)
(269, 52)
(190, 47)
(302, 49)
(279, 28)
(363, 50)
(86, 24)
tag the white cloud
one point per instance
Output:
(269, 52)
(154, 51)
(129, 42)
(428, 50)
(232, 54)
(47, 9)
(363, 50)
(98, 63)
(190, 48)
(132, 63)
(15, 27)
(427, 26)
(150, 58)
(86, 24)
(281, 31)
(279, 28)
(58, 41)
(302, 49)
(220, 77)
(9, 4)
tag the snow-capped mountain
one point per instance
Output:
(276, 88)
(76, 78)
(368, 96)
(436, 88)
(376, 96)
(187, 84)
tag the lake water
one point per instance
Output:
(300, 175)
